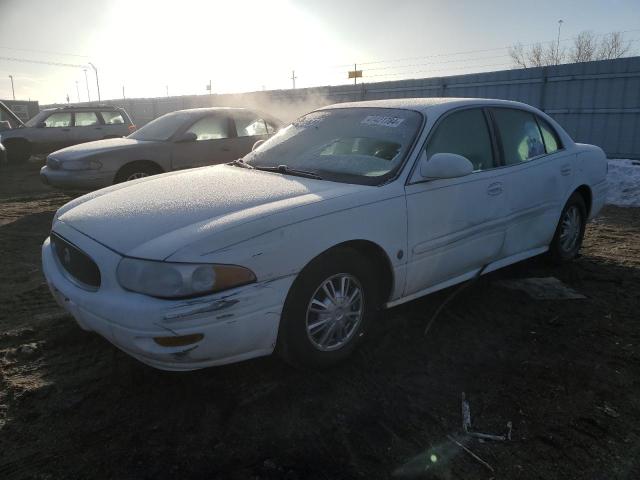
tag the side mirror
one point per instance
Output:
(257, 144)
(444, 165)
(41, 125)
(187, 137)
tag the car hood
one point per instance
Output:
(99, 146)
(155, 216)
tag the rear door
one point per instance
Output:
(87, 127)
(249, 128)
(456, 225)
(212, 146)
(538, 177)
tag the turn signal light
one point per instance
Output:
(179, 340)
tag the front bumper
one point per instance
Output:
(238, 324)
(76, 179)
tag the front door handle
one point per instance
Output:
(565, 169)
(495, 189)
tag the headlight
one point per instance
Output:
(80, 165)
(180, 280)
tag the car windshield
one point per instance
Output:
(163, 128)
(353, 145)
(32, 122)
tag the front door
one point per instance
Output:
(456, 226)
(211, 146)
(55, 134)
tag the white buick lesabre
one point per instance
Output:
(352, 208)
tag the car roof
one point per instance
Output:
(429, 105)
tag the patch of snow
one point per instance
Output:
(624, 183)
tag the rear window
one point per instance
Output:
(112, 118)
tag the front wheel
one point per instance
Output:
(569, 233)
(136, 170)
(328, 310)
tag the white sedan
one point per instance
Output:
(351, 209)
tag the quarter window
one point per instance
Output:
(112, 118)
(86, 119)
(549, 135)
(520, 135)
(210, 128)
(60, 119)
(464, 133)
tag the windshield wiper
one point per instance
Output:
(240, 163)
(290, 171)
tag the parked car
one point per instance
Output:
(353, 208)
(57, 128)
(175, 141)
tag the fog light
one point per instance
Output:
(178, 341)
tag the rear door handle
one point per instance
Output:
(565, 169)
(495, 189)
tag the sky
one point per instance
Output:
(155, 48)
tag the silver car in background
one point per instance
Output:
(175, 141)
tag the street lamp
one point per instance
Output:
(12, 89)
(86, 82)
(97, 82)
(560, 22)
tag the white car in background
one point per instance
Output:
(352, 208)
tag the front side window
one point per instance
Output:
(112, 118)
(464, 133)
(362, 145)
(86, 119)
(520, 135)
(59, 119)
(162, 128)
(210, 128)
(249, 125)
(550, 137)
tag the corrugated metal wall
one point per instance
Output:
(596, 102)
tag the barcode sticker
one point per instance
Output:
(391, 122)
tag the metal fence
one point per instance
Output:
(596, 102)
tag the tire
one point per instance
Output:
(569, 234)
(341, 328)
(18, 151)
(135, 170)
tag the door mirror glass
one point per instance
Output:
(187, 137)
(444, 165)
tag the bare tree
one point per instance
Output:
(585, 47)
(613, 45)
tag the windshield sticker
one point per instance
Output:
(391, 122)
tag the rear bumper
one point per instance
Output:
(76, 180)
(236, 325)
(599, 194)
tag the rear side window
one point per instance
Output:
(464, 133)
(86, 119)
(550, 137)
(212, 127)
(519, 134)
(112, 118)
(249, 125)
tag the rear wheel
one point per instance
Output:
(136, 170)
(569, 233)
(328, 310)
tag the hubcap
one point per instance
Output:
(134, 176)
(334, 312)
(570, 229)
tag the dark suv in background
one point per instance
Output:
(57, 128)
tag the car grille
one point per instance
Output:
(77, 263)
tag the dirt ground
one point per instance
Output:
(566, 373)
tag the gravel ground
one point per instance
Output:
(565, 373)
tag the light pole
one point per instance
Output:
(12, 89)
(78, 91)
(560, 22)
(97, 82)
(86, 81)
